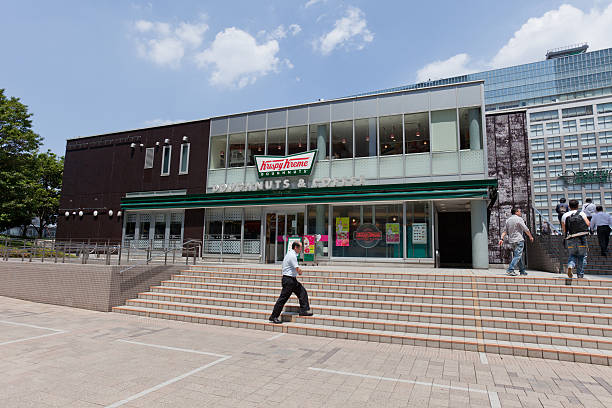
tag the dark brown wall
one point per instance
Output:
(99, 170)
(508, 162)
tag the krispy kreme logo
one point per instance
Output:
(292, 165)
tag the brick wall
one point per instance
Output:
(93, 287)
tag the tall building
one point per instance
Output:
(567, 98)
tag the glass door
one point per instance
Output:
(279, 227)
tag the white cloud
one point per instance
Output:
(237, 58)
(350, 30)
(556, 28)
(281, 32)
(313, 2)
(454, 66)
(161, 122)
(164, 44)
(295, 29)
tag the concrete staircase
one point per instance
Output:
(553, 318)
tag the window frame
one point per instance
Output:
(183, 146)
(169, 147)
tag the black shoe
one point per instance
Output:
(307, 313)
(275, 320)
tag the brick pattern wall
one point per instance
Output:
(508, 156)
(93, 287)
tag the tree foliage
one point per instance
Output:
(30, 181)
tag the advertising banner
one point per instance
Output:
(342, 231)
(419, 233)
(309, 248)
(393, 232)
(367, 235)
(290, 242)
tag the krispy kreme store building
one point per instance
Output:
(396, 178)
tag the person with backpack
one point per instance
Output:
(575, 225)
(561, 208)
(589, 208)
(515, 226)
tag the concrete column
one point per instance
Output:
(372, 134)
(322, 141)
(480, 238)
(474, 118)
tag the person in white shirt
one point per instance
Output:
(602, 223)
(291, 285)
(588, 208)
(575, 227)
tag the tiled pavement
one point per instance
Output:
(93, 359)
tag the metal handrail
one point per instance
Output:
(547, 220)
(164, 252)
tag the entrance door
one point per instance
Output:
(455, 239)
(279, 227)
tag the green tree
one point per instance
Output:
(44, 189)
(18, 151)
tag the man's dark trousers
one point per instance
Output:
(603, 235)
(291, 285)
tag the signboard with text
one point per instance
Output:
(367, 235)
(298, 164)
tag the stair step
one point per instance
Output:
(398, 293)
(411, 300)
(386, 315)
(502, 278)
(380, 286)
(565, 353)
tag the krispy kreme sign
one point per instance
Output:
(293, 165)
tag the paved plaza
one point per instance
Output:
(53, 356)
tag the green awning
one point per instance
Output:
(475, 189)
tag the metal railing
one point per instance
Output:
(99, 251)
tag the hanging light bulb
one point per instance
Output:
(367, 138)
(110, 213)
(344, 140)
(80, 213)
(95, 213)
(67, 214)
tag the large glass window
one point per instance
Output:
(145, 226)
(160, 226)
(541, 201)
(232, 225)
(416, 128)
(538, 158)
(390, 135)
(577, 111)
(217, 152)
(604, 108)
(176, 225)
(368, 231)
(444, 130)
(536, 130)
(570, 141)
(418, 230)
(572, 154)
(604, 122)
(297, 139)
(537, 144)
(541, 116)
(554, 171)
(213, 224)
(539, 171)
(552, 128)
(130, 226)
(569, 126)
(319, 139)
(365, 137)
(556, 185)
(588, 139)
(554, 156)
(252, 231)
(554, 142)
(589, 153)
(587, 124)
(318, 223)
(276, 142)
(540, 186)
(236, 149)
(342, 139)
(605, 152)
(605, 137)
(256, 146)
(470, 128)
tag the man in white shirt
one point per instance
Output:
(575, 226)
(601, 223)
(291, 285)
(589, 208)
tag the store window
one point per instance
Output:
(342, 139)
(213, 224)
(130, 226)
(318, 223)
(232, 225)
(374, 231)
(217, 151)
(444, 130)
(418, 230)
(416, 128)
(297, 139)
(252, 231)
(276, 142)
(145, 226)
(365, 137)
(176, 225)
(319, 139)
(390, 135)
(256, 142)
(470, 128)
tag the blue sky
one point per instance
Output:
(91, 67)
